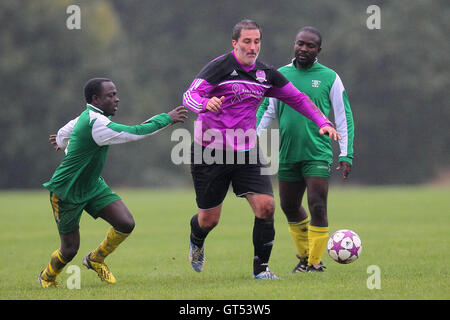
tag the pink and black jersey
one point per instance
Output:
(234, 125)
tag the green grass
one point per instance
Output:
(405, 231)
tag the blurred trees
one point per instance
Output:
(396, 77)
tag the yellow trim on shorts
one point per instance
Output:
(55, 206)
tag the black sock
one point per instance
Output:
(198, 234)
(263, 236)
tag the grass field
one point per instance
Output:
(405, 232)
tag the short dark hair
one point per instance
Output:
(313, 31)
(94, 87)
(244, 24)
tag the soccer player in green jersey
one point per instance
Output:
(305, 156)
(77, 185)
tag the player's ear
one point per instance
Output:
(95, 100)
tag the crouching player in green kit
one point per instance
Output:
(77, 185)
(305, 156)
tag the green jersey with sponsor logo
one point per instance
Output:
(86, 141)
(299, 138)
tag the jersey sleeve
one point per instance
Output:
(289, 94)
(267, 112)
(105, 132)
(197, 96)
(63, 135)
(199, 92)
(343, 119)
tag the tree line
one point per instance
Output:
(396, 77)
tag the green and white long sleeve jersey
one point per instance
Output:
(299, 137)
(86, 140)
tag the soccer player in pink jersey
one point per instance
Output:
(226, 95)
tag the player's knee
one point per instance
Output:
(69, 251)
(289, 210)
(209, 219)
(127, 225)
(130, 227)
(209, 223)
(318, 208)
(318, 211)
(266, 210)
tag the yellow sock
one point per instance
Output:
(299, 234)
(55, 266)
(109, 244)
(318, 238)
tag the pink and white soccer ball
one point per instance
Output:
(344, 246)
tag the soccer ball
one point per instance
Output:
(344, 246)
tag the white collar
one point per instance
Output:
(315, 60)
(99, 110)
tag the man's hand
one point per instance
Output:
(52, 140)
(214, 104)
(178, 114)
(331, 132)
(346, 169)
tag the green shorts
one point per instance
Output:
(67, 215)
(297, 171)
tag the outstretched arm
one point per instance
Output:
(179, 114)
(106, 132)
(303, 104)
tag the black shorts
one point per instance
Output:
(212, 180)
